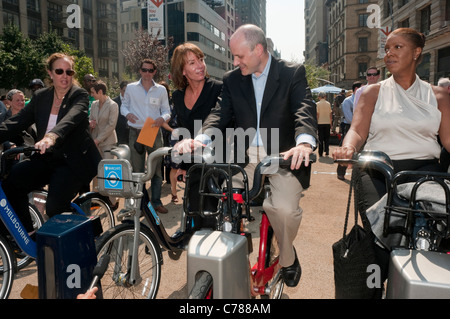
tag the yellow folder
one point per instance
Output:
(148, 133)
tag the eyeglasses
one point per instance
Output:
(373, 74)
(61, 71)
(147, 70)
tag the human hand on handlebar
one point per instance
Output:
(298, 153)
(47, 141)
(187, 146)
(345, 152)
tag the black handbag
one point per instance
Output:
(351, 256)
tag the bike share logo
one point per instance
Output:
(113, 176)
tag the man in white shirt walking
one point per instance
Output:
(142, 99)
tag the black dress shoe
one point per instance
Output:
(291, 275)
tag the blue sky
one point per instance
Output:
(285, 25)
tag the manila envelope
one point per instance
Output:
(148, 133)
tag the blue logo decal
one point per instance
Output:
(113, 176)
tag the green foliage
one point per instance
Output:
(23, 59)
(314, 73)
(20, 60)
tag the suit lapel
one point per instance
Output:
(271, 85)
(248, 93)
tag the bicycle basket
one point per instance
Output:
(115, 178)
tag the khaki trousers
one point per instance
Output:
(282, 206)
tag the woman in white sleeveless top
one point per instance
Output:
(401, 116)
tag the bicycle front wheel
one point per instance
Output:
(8, 266)
(118, 281)
(94, 206)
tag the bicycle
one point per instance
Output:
(412, 222)
(16, 243)
(135, 248)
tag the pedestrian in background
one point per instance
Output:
(445, 83)
(102, 122)
(122, 129)
(347, 107)
(143, 99)
(372, 77)
(324, 120)
(337, 113)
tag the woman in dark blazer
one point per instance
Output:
(193, 100)
(68, 157)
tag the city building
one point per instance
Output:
(432, 18)
(96, 33)
(251, 11)
(106, 27)
(316, 32)
(353, 46)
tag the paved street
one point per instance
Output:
(324, 205)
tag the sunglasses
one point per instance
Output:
(373, 74)
(147, 70)
(61, 71)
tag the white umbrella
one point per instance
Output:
(328, 88)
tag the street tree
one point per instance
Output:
(20, 60)
(146, 45)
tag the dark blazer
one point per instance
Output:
(287, 106)
(202, 107)
(74, 144)
(122, 129)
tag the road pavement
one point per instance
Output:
(324, 205)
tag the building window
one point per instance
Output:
(404, 23)
(363, 45)
(425, 20)
(10, 18)
(34, 27)
(33, 5)
(363, 20)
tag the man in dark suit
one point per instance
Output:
(121, 126)
(271, 99)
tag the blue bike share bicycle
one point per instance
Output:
(17, 248)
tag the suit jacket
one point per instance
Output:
(122, 124)
(106, 119)
(287, 107)
(74, 145)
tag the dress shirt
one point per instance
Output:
(347, 109)
(153, 103)
(259, 85)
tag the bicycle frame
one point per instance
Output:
(15, 226)
(261, 273)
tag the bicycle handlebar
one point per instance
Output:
(375, 160)
(13, 152)
(263, 168)
(260, 169)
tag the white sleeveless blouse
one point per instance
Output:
(405, 123)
